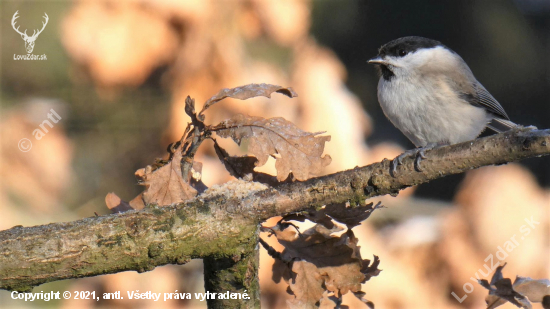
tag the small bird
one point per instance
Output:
(431, 95)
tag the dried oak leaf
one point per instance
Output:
(306, 284)
(243, 167)
(350, 216)
(342, 212)
(116, 204)
(165, 185)
(238, 167)
(247, 92)
(502, 290)
(316, 261)
(329, 302)
(360, 295)
(534, 290)
(190, 111)
(295, 150)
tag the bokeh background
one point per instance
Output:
(118, 72)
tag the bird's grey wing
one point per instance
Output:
(500, 125)
(482, 98)
(476, 95)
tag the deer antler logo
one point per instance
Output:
(29, 40)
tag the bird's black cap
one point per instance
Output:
(402, 46)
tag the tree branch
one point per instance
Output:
(221, 227)
(234, 274)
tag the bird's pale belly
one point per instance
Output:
(427, 119)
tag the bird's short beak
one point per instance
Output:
(377, 60)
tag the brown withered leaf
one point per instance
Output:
(296, 304)
(330, 301)
(137, 203)
(371, 270)
(306, 283)
(318, 260)
(116, 204)
(534, 290)
(342, 212)
(361, 297)
(190, 111)
(295, 150)
(190, 107)
(247, 92)
(501, 290)
(165, 185)
(350, 216)
(238, 167)
(243, 167)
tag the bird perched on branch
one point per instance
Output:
(431, 95)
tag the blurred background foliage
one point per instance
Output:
(118, 72)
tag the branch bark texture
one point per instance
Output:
(222, 228)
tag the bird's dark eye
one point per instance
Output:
(401, 53)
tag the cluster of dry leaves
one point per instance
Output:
(321, 263)
(521, 293)
(298, 154)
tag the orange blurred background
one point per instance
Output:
(118, 73)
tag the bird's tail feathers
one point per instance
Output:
(501, 125)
